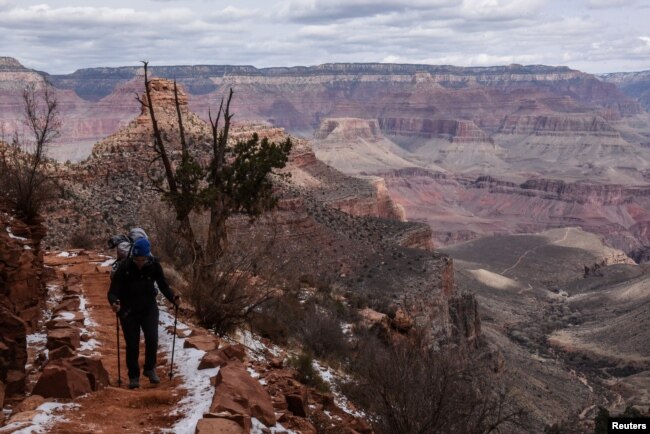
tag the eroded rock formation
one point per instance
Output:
(21, 296)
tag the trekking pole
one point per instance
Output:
(119, 362)
(171, 370)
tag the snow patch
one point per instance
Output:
(48, 414)
(67, 316)
(259, 428)
(11, 235)
(195, 381)
(256, 348)
(107, 263)
(67, 255)
(328, 375)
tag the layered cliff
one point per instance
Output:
(461, 104)
(21, 297)
(460, 208)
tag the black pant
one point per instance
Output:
(132, 322)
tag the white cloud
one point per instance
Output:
(603, 4)
(59, 37)
(327, 10)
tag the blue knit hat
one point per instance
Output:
(142, 247)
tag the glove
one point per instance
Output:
(177, 300)
(116, 307)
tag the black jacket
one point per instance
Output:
(135, 288)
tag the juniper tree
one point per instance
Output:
(236, 180)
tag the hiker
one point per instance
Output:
(132, 296)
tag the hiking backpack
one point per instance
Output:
(123, 244)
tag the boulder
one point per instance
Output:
(239, 393)
(70, 304)
(297, 404)
(236, 351)
(63, 352)
(218, 426)
(13, 347)
(202, 342)
(70, 317)
(15, 382)
(94, 369)
(62, 381)
(213, 359)
(65, 336)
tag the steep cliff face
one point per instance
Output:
(22, 294)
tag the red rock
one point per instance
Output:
(63, 352)
(238, 392)
(30, 403)
(198, 332)
(276, 363)
(236, 351)
(298, 424)
(94, 368)
(15, 382)
(73, 289)
(297, 403)
(2, 396)
(361, 426)
(68, 336)
(243, 420)
(202, 342)
(213, 359)
(71, 304)
(13, 348)
(218, 426)
(62, 381)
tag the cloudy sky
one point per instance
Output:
(60, 36)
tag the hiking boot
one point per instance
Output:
(153, 377)
(134, 383)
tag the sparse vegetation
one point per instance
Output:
(81, 239)
(410, 387)
(24, 182)
(304, 365)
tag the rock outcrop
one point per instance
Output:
(21, 296)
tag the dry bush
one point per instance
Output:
(24, 180)
(81, 239)
(25, 187)
(307, 374)
(230, 291)
(409, 388)
(321, 333)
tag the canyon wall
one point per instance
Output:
(22, 296)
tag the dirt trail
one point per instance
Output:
(114, 410)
